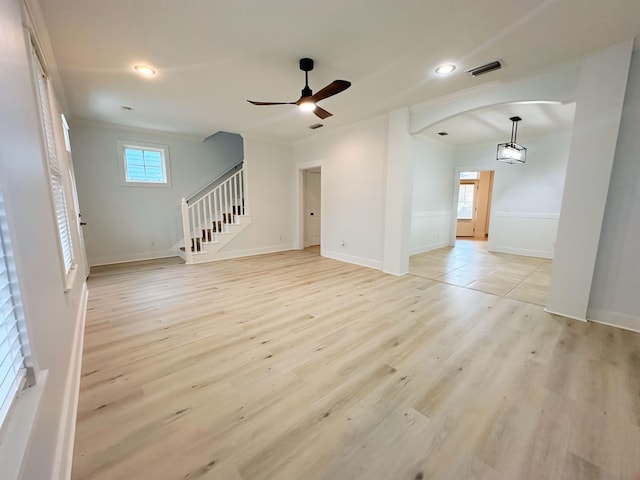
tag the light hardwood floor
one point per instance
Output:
(293, 366)
(470, 264)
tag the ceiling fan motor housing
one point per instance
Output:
(306, 64)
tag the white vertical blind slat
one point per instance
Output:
(12, 364)
(55, 172)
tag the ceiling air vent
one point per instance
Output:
(489, 67)
(315, 125)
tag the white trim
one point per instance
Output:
(62, 460)
(300, 168)
(70, 278)
(19, 428)
(343, 257)
(522, 251)
(454, 198)
(134, 257)
(435, 213)
(614, 319)
(251, 252)
(544, 216)
(565, 315)
(135, 145)
(35, 25)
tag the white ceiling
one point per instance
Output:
(492, 124)
(213, 55)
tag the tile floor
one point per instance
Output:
(470, 265)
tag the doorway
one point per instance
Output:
(312, 188)
(475, 189)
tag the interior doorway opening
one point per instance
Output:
(312, 200)
(473, 212)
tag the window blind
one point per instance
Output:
(12, 365)
(55, 172)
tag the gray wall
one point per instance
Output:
(616, 282)
(126, 223)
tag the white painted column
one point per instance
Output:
(397, 223)
(600, 98)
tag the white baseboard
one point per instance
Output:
(522, 251)
(565, 315)
(66, 435)
(134, 257)
(428, 248)
(614, 319)
(254, 251)
(343, 257)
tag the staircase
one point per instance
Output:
(214, 219)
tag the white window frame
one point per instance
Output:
(154, 147)
(58, 189)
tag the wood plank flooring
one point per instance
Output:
(293, 366)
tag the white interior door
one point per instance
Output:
(312, 208)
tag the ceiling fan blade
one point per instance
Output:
(333, 88)
(322, 113)
(271, 103)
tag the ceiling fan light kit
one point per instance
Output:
(308, 101)
(511, 152)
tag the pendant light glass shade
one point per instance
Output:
(511, 152)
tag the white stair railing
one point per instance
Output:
(202, 219)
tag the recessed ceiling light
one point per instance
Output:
(445, 69)
(145, 70)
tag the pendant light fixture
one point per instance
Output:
(511, 152)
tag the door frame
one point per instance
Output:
(474, 210)
(454, 200)
(300, 206)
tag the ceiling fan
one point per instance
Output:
(308, 101)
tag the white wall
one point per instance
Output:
(272, 201)
(126, 223)
(526, 198)
(433, 172)
(599, 103)
(353, 189)
(54, 318)
(616, 281)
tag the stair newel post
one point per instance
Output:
(186, 231)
